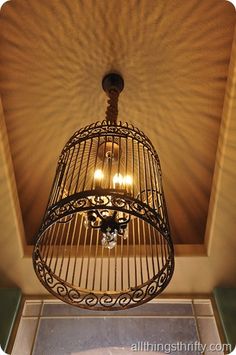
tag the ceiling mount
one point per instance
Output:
(113, 81)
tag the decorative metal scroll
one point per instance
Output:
(107, 185)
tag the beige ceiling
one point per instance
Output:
(174, 57)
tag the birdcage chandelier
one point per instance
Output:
(105, 243)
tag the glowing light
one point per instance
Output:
(118, 180)
(128, 180)
(98, 175)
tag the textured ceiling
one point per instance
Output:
(174, 58)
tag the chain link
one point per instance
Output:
(112, 108)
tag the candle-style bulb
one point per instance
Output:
(117, 181)
(128, 180)
(98, 176)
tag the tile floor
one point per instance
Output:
(49, 327)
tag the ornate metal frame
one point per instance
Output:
(68, 257)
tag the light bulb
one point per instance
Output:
(128, 180)
(117, 180)
(98, 176)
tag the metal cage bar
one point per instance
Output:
(106, 172)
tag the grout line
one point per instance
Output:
(204, 316)
(166, 298)
(37, 328)
(219, 326)
(118, 316)
(196, 322)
